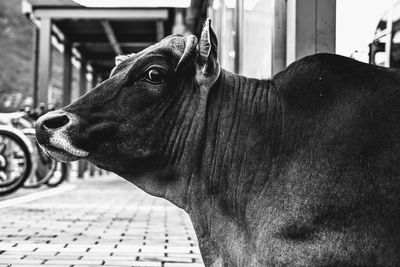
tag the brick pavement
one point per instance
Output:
(104, 221)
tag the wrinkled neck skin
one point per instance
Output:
(222, 155)
(241, 142)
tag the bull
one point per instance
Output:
(301, 169)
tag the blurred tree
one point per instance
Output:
(16, 42)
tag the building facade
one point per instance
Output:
(258, 38)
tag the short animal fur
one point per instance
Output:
(299, 170)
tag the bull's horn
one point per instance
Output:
(190, 49)
(120, 58)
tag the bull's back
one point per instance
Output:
(337, 194)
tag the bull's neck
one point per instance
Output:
(229, 144)
(241, 139)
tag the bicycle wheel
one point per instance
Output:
(15, 162)
(45, 166)
(60, 175)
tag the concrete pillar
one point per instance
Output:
(311, 28)
(238, 21)
(35, 67)
(179, 26)
(160, 30)
(279, 36)
(95, 79)
(82, 77)
(94, 82)
(44, 65)
(67, 79)
(92, 170)
(82, 167)
(82, 164)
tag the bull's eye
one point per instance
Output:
(155, 75)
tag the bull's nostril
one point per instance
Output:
(56, 121)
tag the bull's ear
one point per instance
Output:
(208, 67)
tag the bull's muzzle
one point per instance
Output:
(54, 131)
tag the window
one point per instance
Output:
(223, 15)
(228, 32)
(396, 12)
(256, 39)
(382, 25)
(379, 53)
(395, 50)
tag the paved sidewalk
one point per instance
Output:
(103, 221)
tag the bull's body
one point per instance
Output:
(302, 169)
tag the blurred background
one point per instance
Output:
(257, 38)
(54, 51)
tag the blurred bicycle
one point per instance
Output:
(45, 169)
(15, 156)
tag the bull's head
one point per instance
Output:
(141, 120)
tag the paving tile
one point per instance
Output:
(104, 221)
(184, 255)
(175, 264)
(6, 246)
(74, 262)
(114, 262)
(146, 264)
(34, 262)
